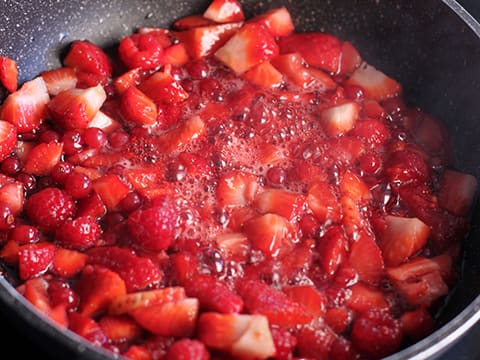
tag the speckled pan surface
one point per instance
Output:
(431, 46)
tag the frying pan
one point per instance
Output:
(432, 47)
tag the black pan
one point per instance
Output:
(431, 46)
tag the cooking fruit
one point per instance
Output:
(228, 189)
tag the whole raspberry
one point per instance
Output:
(79, 234)
(187, 349)
(49, 208)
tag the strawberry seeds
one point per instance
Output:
(232, 189)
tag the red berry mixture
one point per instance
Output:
(228, 189)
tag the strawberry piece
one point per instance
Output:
(350, 59)
(103, 122)
(314, 343)
(26, 108)
(364, 298)
(162, 35)
(176, 318)
(130, 302)
(137, 272)
(277, 21)
(97, 287)
(75, 108)
(35, 259)
(406, 166)
(191, 21)
(84, 56)
(161, 87)
(339, 119)
(138, 107)
(319, 50)
(8, 139)
(49, 208)
(184, 266)
(12, 196)
(343, 349)
(138, 352)
(213, 294)
(372, 132)
(312, 299)
(323, 202)
(401, 238)
(331, 248)
(9, 252)
(366, 258)
(236, 189)
(140, 51)
(421, 266)
(202, 41)
(284, 342)
(244, 336)
(43, 158)
(187, 349)
(180, 137)
(250, 46)
(8, 73)
(176, 55)
(91, 206)
(111, 189)
(375, 84)
(264, 75)
(431, 134)
(79, 234)
(67, 263)
(338, 319)
(417, 324)
(119, 329)
(457, 192)
(259, 298)
(154, 228)
(224, 11)
(127, 79)
(271, 234)
(59, 80)
(375, 333)
(280, 202)
(87, 328)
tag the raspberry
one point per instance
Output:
(187, 349)
(49, 208)
(79, 234)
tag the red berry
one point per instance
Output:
(60, 293)
(187, 349)
(49, 208)
(29, 182)
(140, 50)
(78, 185)
(6, 217)
(61, 171)
(79, 234)
(94, 137)
(48, 136)
(72, 142)
(131, 202)
(11, 166)
(24, 234)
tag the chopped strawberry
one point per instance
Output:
(264, 75)
(401, 238)
(343, 349)
(43, 157)
(280, 202)
(224, 11)
(60, 79)
(67, 263)
(339, 119)
(138, 107)
(350, 59)
(26, 108)
(186, 349)
(13, 195)
(375, 333)
(366, 258)
(8, 73)
(374, 83)
(332, 250)
(61, 294)
(364, 298)
(320, 50)
(137, 272)
(314, 343)
(338, 319)
(259, 298)
(213, 294)
(8, 139)
(250, 46)
(87, 328)
(130, 302)
(176, 318)
(191, 21)
(354, 187)
(92, 206)
(97, 287)
(421, 266)
(35, 259)
(141, 51)
(119, 329)
(127, 79)
(154, 228)
(75, 108)
(431, 133)
(176, 55)
(237, 189)
(284, 341)
(312, 299)
(161, 87)
(205, 40)
(84, 56)
(272, 234)
(406, 166)
(9, 252)
(79, 234)
(457, 192)
(244, 336)
(138, 352)
(234, 245)
(277, 21)
(180, 137)
(103, 122)
(163, 36)
(372, 132)
(111, 189)
(417, 324)
(323, 202)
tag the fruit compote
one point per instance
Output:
(232, 189)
